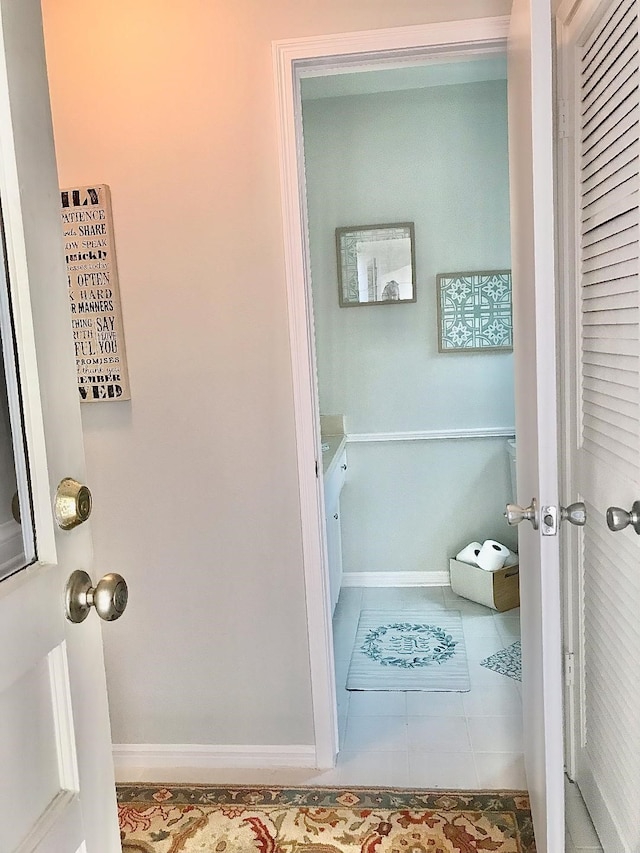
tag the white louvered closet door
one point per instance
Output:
(608, 455)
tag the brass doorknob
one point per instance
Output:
(109, 596)
(72, 504)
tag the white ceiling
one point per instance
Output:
(362, 82)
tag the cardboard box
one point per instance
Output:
(499, 590)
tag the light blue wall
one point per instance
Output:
(436, 157)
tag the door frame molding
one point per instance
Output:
(568, 399)
(294, 59)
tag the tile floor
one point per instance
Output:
(429, 740)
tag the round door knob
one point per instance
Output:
(109, 596)
(618, 518)
(575, 513)
(72, 504)
(515, 514)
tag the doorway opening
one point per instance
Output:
(424, 388)
(434, 46)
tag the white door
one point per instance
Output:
(532, 229)
(56, 784)
(599, 65)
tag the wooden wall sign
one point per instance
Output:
(94, 294)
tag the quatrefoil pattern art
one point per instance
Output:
(474, 311)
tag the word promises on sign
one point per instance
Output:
(96, 317)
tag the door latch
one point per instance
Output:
(575, 513)
(549, 517)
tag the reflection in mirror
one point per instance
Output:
(16, 539)
(376, 264)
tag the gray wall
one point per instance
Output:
(438, 157)
(195, 482)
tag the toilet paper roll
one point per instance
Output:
(492, 556)
(512, 560)
(470, 553)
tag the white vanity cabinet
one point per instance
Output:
(333, 482)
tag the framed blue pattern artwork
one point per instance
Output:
(474, 311)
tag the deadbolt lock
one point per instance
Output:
(72, 504)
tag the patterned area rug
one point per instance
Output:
(240, 819)
(409, 651)
(507, 661)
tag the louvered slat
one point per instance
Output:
(610, 219)
(612, 166)
(616, 431)
(609, 318)
(626, 299)
(601, 34)
(611, 624)
(610, 273)
(602, 154)
(611, 433)
(619, 98)
(612, 379)
(622, 363)
(625, 284)
(594, 439)
(625, 386)
(616, 75)
(607, 120)
(613, 461)
(609, 410)
(616, 192)
(608, 378)
(609, 135)
(612, 176)
(616, 240)
(610, 401)
(625, 346)
(608, 87)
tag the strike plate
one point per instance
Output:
(549, 520)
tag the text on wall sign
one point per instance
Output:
(94, 294)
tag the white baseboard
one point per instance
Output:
(149, 756)
(440, 578)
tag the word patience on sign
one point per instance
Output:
(94, 294)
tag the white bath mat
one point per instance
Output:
(409, 650)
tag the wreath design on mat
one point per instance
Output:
(408, 645)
